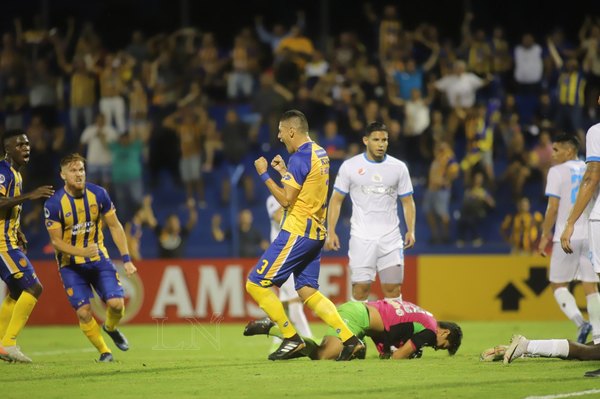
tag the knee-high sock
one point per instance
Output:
(298, 318)
(593, 308)
(6, 311)
(113, 317)
(268, 301)
(566, 302)
(326, 310)
(22, 309)
(549, 347)
(92, 332)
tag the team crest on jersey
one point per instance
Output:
(22, 262)
(361, 171)
(70, 291)
(94, 210)
(377, 178)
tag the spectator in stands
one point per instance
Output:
(540, 157)
(387, 29)
(212, 145)
(97, 138)
(521, 229)
(374, 85)
(43, 98)
(172, 237)
(252, 243)
(112, 89)
(240, 81)
(589, 37)
(138, 110)
(529, 66)
(571, 94)
(436, 202)
(189, 122)
(460, 92)
(14, 102)
(133, 227)
(301, 47)
(333, 142)
(269, 102)
(127, 172)
(239, 138)
(278, 32)
(477, 201)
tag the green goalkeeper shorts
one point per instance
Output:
(356, 317)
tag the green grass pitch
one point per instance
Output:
(213, 361)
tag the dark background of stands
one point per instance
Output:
(116, 19)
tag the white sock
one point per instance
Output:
(593, 308)
(548, 347)
(298, 318)
(566, 302)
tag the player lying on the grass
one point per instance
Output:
(399, 330)
(523, 347)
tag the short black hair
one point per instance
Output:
(455, 336)
(568, 139)
(294, 113)
(12, 133)
(376, 127)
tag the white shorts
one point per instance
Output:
(565, 268)
(594, 243)
(287, 291)
(369, 257)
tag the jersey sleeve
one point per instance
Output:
(104, 202)
(6, 179)
(553, 183)
(342, 180)
(52, 214)
(298, 169)
(423, 338)
(592, 144)
(404, 184)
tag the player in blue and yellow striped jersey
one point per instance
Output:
(297, 248)
(74, 217)
(16, 271)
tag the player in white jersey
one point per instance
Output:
(588, 189)
(561, 189)
(287, 291)
(374, 181)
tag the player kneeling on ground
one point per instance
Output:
(399, 330)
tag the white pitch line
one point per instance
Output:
(566, 395)
(61, 352)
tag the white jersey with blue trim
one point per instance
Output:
(563, 183)
(592, 154)
(374, 188)
(272, 207)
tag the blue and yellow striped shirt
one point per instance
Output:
(11, 185)
(308, 171)
(80, 220)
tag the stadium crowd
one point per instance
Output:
(173, 114)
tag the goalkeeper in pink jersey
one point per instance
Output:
(399, 330)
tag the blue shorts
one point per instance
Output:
(78, 281)
(16, 271)
(287, 254)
